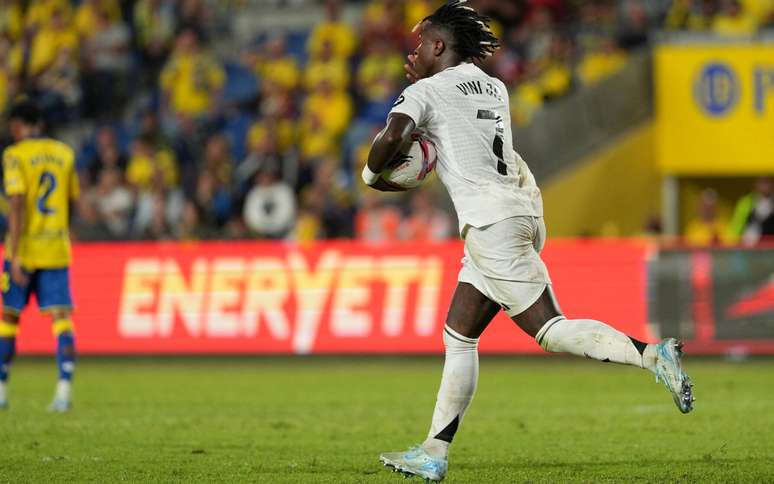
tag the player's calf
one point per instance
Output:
(8, 332)
(595, 340)
(65, 361)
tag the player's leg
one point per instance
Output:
(62, 328)
(15, 298)
(469, 315)
(55, 299)
(9, 328)
(543, 320)
(583, 337)
(597, 340)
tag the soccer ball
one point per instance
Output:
(412, 164)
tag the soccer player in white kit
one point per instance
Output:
(465, 113)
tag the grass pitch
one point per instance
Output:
(303, 420)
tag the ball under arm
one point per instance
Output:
(389, 140)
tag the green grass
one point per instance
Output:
(327, 419)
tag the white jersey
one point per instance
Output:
(466, 114)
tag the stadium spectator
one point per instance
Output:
(154, 24)
(598, 22)
(328, 203)
(88, 13)
(332, 108)
(691, 15)
(11, 19)
(416, 10)
(376, 221)
(383, 22)
(733, 21)
(193, 14)
(114, 202)
(327, 67)
(159, 209)
(318, 141)
(634, 30)
(539, 31)
(213, 199)
(333, 33)
(270, 206)
(266, 152)
(108, 156)
(59, 88)
(159, 226)
(380, 98)
(213, 193)
(106, 62)
(273, 64)
(707, 228)
(753, 218)
(217, 159)
(8, 74)
(54, 33)
(39, 13)
(602, 61)
(425, 221)
(147, 161)
(309, 225)
(192, 79)
(380, 64)
(191, 226)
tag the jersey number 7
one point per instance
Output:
(497, 143)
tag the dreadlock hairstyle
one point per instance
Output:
(473, 39)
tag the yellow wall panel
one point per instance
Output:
(611, 193)
(715, 109)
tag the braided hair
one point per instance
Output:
(472, 37)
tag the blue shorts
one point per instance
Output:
(50, 286)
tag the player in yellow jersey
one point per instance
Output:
(40, 181)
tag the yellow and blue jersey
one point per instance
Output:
(42, 170)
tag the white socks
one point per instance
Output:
(582, 337)
(596, 340)
(458, 384)
(63, 390)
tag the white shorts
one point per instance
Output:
(503, 262)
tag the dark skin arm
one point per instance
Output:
(15, 218)
(386, 145)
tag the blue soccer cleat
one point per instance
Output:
(416, 462)
(669, 370)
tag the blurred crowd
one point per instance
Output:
(193, 137)
(751, 222)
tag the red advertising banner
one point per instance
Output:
(335, 297)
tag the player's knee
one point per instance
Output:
(9, 326)
(9, 317)
(9, 329)
(60, 314)
(61, 323)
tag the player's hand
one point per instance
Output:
(17, 274)
(383, 185)
(411, 74)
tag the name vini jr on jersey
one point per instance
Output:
(475, 87)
